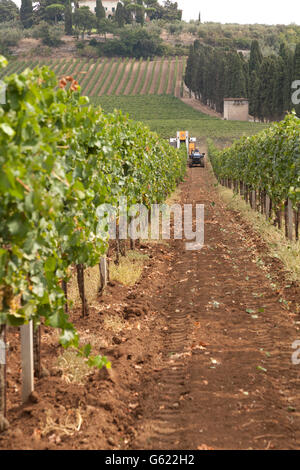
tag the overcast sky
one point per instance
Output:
(240, 11)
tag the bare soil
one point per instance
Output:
(155, 78)
(163, 77)
(132, 78)
(203, 360)
(125, 74)
(148, 78)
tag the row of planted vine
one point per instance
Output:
(61, 158)
(265, 169)
(111, 76)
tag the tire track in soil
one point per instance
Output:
(226, 381)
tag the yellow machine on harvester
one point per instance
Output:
(194, 155)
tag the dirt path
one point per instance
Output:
(200, 350)
(196, 104)
(227, 380)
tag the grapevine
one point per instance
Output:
(60, 159)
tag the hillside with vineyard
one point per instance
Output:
(147, 302)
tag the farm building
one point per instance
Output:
(110, 6)
(236, 109)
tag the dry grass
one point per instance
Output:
(129, 269)
(92, 284)
(113, 322)
(279, 247)
(174, 197)
(69, 422)
(73, 367)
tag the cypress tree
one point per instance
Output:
(140, 12)
(100, 10)
(296, 65)
(236, 80)
(255, 57)
(296, 72)
(190, 66)
(26, 13)
(68, 18)
(267, 79)
(120, 15)
(287, 58)
(254, 103)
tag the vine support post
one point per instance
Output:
(253, 199)
(27, 360)
(117, 260)
(289, 219)
(37, 350)
(103, 272)
(3, 370)
(64, 285)
(297, 218)
(80, 281)
(242, 189)
(267, 206)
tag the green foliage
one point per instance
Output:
(120, 16)
(54, 11)
(68, 18)
(8, 11)
(61, 158)
(166, 114)
(26, 13)
(212, 75)
(268, 161)
(134, 42)
(9, 37)
(84, 19)
(50, 34)
(99, 10)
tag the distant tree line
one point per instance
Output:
(213, 74)
(53, 11)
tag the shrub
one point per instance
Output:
(41, 50)
(9, 37)
(88, 51)
(135, 42)
(50, 35)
